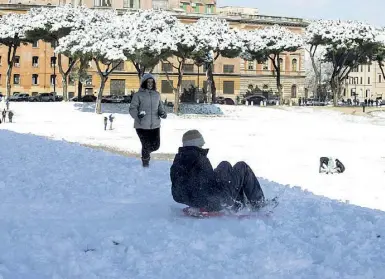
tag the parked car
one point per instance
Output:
(43, 97)
(89, 98)
(58, 98)
(21, 97)
(126, 99)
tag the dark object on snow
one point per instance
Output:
(150, 140)
(331, 165)
(196, 184)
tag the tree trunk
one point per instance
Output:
(279, 86)
(8, 84)
(98, 107)
(80, 89)
(65, 87)
(211, 82)
(335, 89)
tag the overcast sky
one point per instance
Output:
(371, 11)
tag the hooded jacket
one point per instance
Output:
(193, 179)
(150, 102)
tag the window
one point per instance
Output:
(17, 61)
(367, 94)
(189, 68)
(184, 6)
(167, 67)
(53, 79)
(281, 64)
(166, 87)
(294, 91)
(89, 80)
(119, 64)
(265, 66)
(294, 66)
(228, 68)
(362, 68)
(71, 95)
(369, 68)
(35, 44)
(379, 79)
(0, 78)
(250, 65)
(361, 80)
(16, 79)
(209, 9)
(35, 61)
(228, 87)
(368, 80)
(197, 8)
(128, 4)
(102, 3)
(53, 61)
(35, 79)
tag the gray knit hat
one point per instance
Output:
(193, 138)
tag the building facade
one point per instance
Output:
(35, 70)
(365, 82)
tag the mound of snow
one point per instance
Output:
(207, 109)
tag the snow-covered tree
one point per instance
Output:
(318, 72)
(269, 44)
(347, 44)
(52, 24)
(215, 38)
(185, 40)
(148, 39)
(102, 39)
(379, 53)
(12, 35)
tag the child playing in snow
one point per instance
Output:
(111, 118)
(10, 116)
(3, 115)
(196, 184)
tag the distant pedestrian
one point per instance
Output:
(105, 123)
(111, 118)
(3, 115)
(10, 116)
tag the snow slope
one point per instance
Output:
(283, 145)
(62, 207)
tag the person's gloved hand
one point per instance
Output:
(141, 114)
(163, 115)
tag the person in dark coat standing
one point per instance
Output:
(147, 110)
(3, 115)
(195, 183)
(10, 116)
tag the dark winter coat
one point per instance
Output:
(150, 102)
(193, 179)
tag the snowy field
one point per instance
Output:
(64, 207)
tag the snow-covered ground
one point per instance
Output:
(62, 206)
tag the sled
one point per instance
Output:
(202, 214)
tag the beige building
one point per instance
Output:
(232, 11)
(365, 82)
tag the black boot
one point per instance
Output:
(146, 162)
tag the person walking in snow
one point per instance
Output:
(10, 116)
(147, 110)
(331, 165)
(195, 183)
(105, 122)
(3, 115)
(111, 118)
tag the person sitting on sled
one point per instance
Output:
(195, 183)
